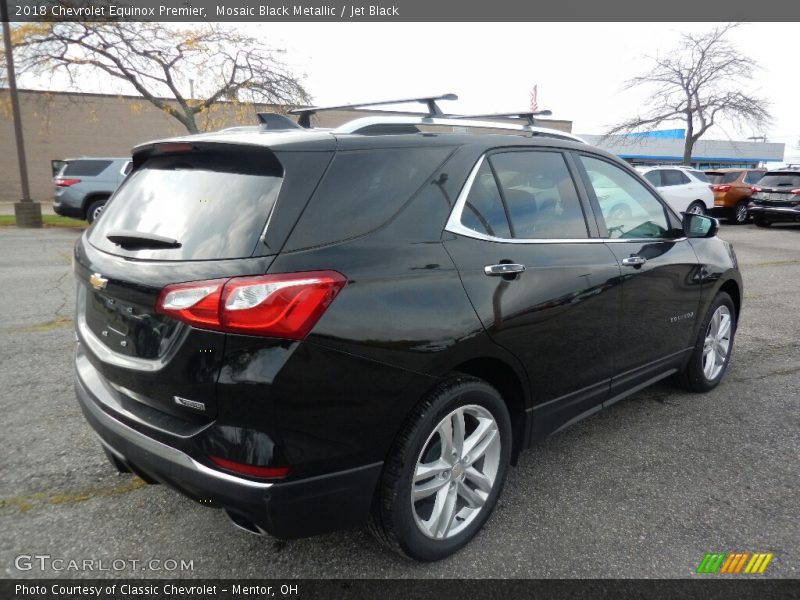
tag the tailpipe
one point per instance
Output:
(244, 523)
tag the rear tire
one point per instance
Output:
(713, 348)
(95, 209)
(740, 214)
(434, 494)
(696, 208)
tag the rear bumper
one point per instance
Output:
(65, 210)
(776, 213)
(287, 510)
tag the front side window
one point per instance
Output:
(628, 208)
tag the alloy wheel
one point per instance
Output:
(717, 343)
(741, 213)
(455, 472)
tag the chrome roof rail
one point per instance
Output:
(358, 125)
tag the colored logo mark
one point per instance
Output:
(734, 562)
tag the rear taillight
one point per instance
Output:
(284, 306)
(251, 470)
(755, 189)
(61, 182)
(720, 188)
(795, 191)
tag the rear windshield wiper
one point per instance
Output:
(135, 240)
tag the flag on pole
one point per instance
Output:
(534, 100)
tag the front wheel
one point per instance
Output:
(696, 208)
(445, 472)
(712, 351)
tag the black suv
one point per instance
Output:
(776, 197)
(316, 329)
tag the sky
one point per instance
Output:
(579, 68)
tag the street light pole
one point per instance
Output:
(27, 212)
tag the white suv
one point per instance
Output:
(684, 189)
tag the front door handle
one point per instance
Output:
(634, 261)
(503, 269)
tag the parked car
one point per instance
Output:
(732, 189)
(776, 197)
(684, 189)
(83, 185)
(319, 329)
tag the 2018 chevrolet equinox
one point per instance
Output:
(318, 329)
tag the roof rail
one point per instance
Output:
(307, 112)
(528, 116)
(366, 124)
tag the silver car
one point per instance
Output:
(84, 185)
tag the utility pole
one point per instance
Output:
(27, 212)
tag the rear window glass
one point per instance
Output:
(215, 205)
(654, 177)
(362, 190)
(718, 178)
(780, 180)
(85, 168)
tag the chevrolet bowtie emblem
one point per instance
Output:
(97, 281)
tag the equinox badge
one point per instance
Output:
(97, 281)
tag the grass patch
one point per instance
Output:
(47, 221)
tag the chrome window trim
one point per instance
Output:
(454, 224)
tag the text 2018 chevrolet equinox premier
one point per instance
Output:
(319, 329)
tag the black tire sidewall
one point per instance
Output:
(412, 541)
(696, 378)
(92, 207)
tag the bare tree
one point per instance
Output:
(163, 64)
(702, 81)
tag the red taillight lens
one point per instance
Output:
(61, 182)
(196, 303)
(796, 191)
(721, 188)
(251, 470)
(755, 189)
(285, 306)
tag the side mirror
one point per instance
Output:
(699, 226)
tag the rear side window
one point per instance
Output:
(362, 190)
(216, 205)
(539, 195)
(654, 177)
(699, 175)
(728, 177)
(673, 177)
(753, 176)
(483, 211)
(85, 168)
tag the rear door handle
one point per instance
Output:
(503, 269)
(634, 261)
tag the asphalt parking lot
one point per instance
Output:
(643, 489)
